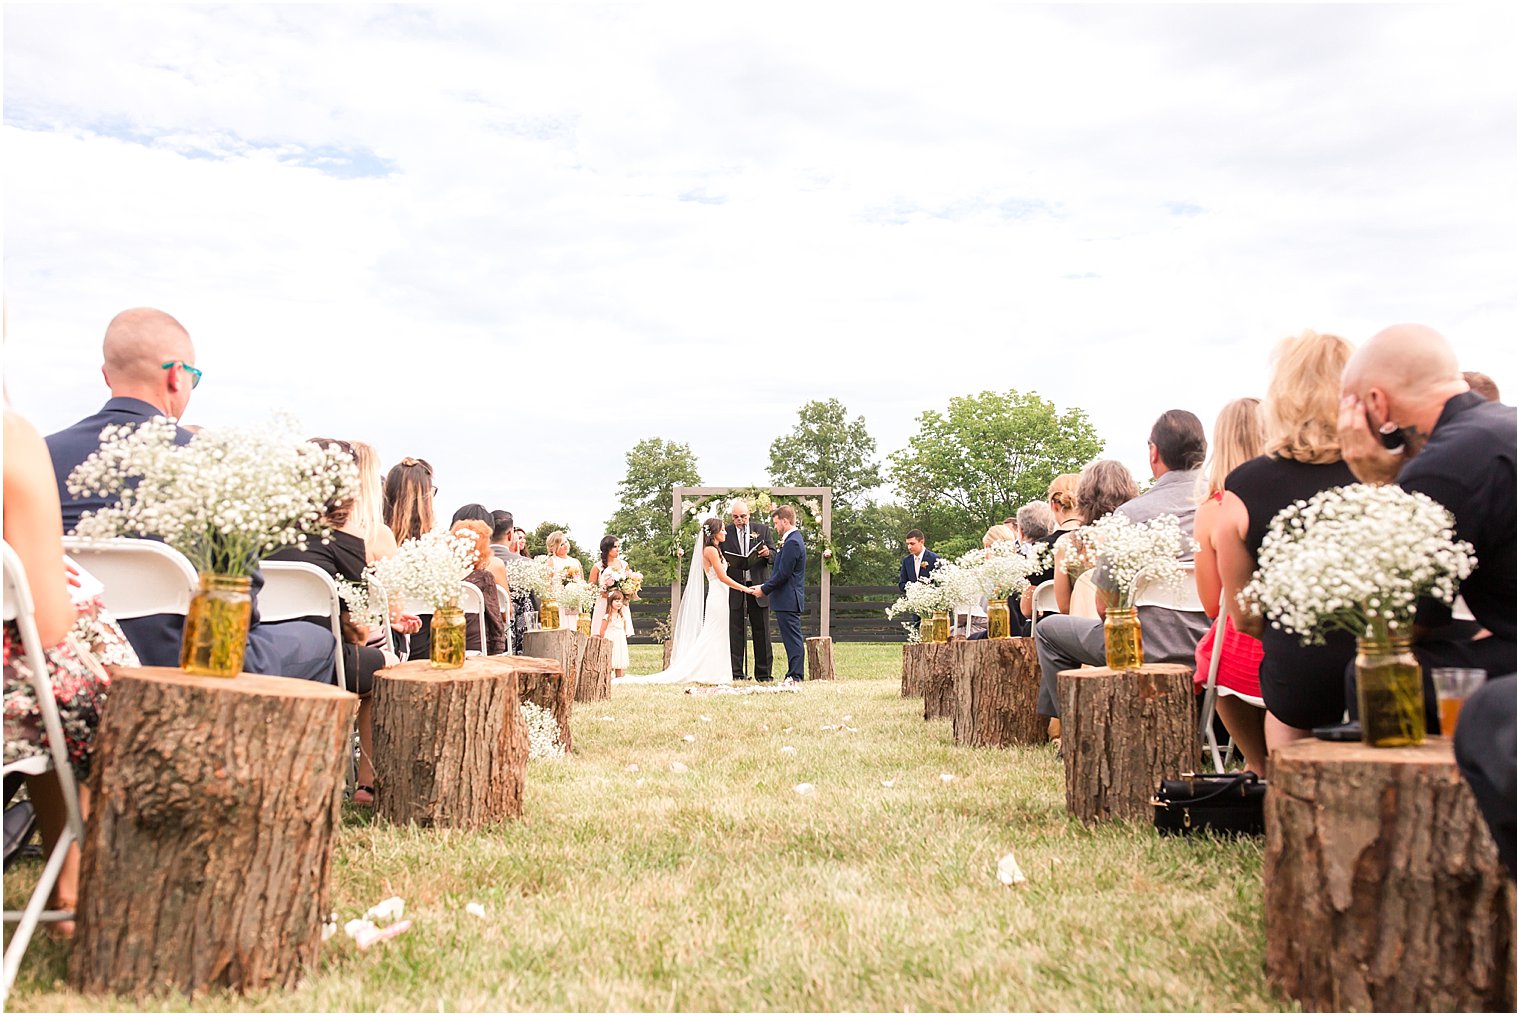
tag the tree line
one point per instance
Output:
(964, 469)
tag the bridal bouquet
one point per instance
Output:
(525, 575)
(225, 500)
(429, 568)
(1356, 558)
(619, 576)
(1134, 551)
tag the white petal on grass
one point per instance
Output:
(632, 767)
(371, 935)
(829, 726)
(804, 788)
(353, 928)
(1009, 872)
(475, 910)
(847, 717)
(639, 782)
(888, 783)
(947, 777)
(689, 738)
(678, 767)
(607, 718)
(705, 719)
(787, 749)
(389, 909)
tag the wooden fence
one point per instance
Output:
(856, 614)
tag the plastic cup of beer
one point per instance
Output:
(1453, 685)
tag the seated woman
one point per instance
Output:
(1303, 686)
(79, 643)
(1102, 486)
(1061, 495)
(1237, 439)
(343, 556)
(975, 614)
(407, 505)
(484, 579)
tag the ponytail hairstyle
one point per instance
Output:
(409, 499)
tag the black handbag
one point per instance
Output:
(1228, 804)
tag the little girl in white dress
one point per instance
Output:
(615, 626)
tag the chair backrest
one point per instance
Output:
(1045, 598)
(1084, 597)
(1182, 596)
(141, 577)
(473, 601)
(295, 589)
(506, 613)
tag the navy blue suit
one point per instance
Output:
(788, 599)
(290, 649)
(905, 572)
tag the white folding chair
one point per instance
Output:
(20, 609)
(295, 589)
(1211, 694)
(1044, 600)
(141, 577)
(473, 601)
(1182, 596)
(506, 612)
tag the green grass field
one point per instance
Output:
(630, 886)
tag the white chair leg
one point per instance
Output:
(26, 920)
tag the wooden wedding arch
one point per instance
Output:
(826, 494)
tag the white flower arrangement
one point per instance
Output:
(923, 598)
(525, 575)
(543, 732)
(225, 500)
(619, 575)
(962, 584)
(1127, 552)
(429, 568)
(577, 595)
(361, 606)
(1356, 558)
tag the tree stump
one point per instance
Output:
(206, 856)
(820, 658)
(543, 684)
(565, 645)
(932, 663)
(594, 683)
(451, 746)
(912, 671)
(1383, 888)
(997, 685)
(1122, 732)
(669, 646)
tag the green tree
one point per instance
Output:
(642, 519)
(828, 449)
(539, 538)
(975, 464)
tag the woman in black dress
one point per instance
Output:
(1303, 686)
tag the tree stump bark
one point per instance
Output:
(543, 684)
(565, 645)
(207, 853)
(1122, 732)
(1383, 888)
(594, 683)
(669, 647)
(933, 662)
(451, 746)
(820, 658)
(912, 671)
(997, 685)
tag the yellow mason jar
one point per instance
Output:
(216, 627)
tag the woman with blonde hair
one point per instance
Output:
(366, 519)
(408, 499)
(1237, 439)
(565, 568)
(1302, 686)
(1062, 497)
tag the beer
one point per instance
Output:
(1450, 709)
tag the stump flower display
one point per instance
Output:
(431, 569)
(1126, 554)
(225, 499)
(1358, 558)
(1001, 571)
(925, 599)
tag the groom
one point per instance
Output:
(784, 588)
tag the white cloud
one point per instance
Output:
(583, 221)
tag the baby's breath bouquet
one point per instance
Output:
(527, 576)
(1126, 553)
(362, 607)
(225, 500)
(922, 598)
(577, 595)
(1004, 568)
(1356, 559)
(429, 568)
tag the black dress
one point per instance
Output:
(1303, 686)
(342, 556)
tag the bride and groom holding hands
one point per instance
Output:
(708, 636)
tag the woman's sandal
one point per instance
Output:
(364, 794)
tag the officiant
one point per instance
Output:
(748, 549)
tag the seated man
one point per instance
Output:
(1485, 749)
(148, 367)
(1458, 449)
(1177, 447)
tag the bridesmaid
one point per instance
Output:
(565, 568)
(614, 623)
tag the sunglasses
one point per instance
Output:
(195, 374)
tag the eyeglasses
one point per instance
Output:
(195, 374)
(738, 515)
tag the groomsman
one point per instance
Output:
(743, 537)
(919, 562)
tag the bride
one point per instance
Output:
(700, 651)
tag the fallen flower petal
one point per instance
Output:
(947, 777)
(632, 767)
(475, 909)
(677, 767)
(1009, 872)
(389, 909)
(888, 783)
(353, 928)
(803, 788)
(705, 719)
(689, 738)
(370, 936)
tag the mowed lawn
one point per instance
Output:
(630, 885)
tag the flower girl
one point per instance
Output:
(615, 628)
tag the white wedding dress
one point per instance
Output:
(701, 658)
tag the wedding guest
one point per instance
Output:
(1482, 384)
(520, 543)
(343, 556)
(367, 518)
(1034, 522)
(483, 579)
(481, 514)
(565, 568)
(501, 535)
(408, 507)
(1176, 451)
(975, 614)
(1102, 487)
(1301, 685)
(149, 369)
(1061, 496)
(1458, 450)
(519, 601)
(919, 561)
(1485, 748)
(1238, 438)
(78, 645)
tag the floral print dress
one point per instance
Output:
(80, 681)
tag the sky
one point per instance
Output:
(515, 240)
